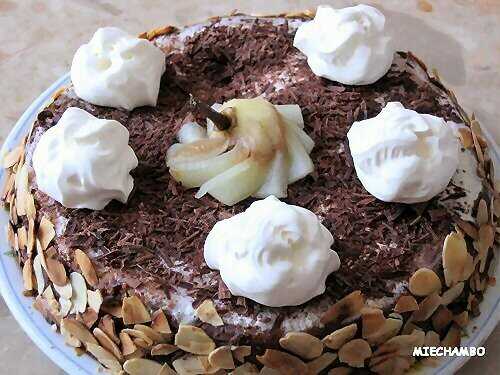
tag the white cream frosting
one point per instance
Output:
(349, 45)
(84, 161)
(116, 69)
(273, 253)
(403, 156)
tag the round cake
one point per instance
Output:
(148, 291)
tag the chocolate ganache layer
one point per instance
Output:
(153, 245)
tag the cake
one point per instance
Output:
(145, 279)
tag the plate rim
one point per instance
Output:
(51, 343)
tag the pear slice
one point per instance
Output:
(276, 182)
(300, 162)
(199, 150)
(195, 173)
(235, 184)
(291, 113)
(191, 132)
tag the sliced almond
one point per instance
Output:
(22, 236)
(267, 371)
(391, 328)
(28, 276)
(141, 366)
(12, 157)
(245, 369)
(8, 186)
(21, 189)
(134, 311)
(465, 136)
(127, 345)
(462, 319)
(107, 359)
(340, 371)
(302, 344)
(283, 362)
(338, 338)
(79, 331)
(372, 321)
(46, 232)
(401, 345)
(11, 236)
(486, 240)
(191, 364)
(457, 262)
(138, 353)
(355, 352)
(207, 313)
(194, 340)
(222, 358)
(322, 362)
(163, 349)
(347, 308)
(107, 343)
(79, 296)
(89, 317)
(94, 299)
(69, 339)
(159, 322)
(441, 318)
(452, 294)
(65, 291)
(107, 324)
(392, 366)
(482, 213)
(30, 206)
(424, 282)
(426, 308)
(112, 309)
(144, 342)
(48, 309)
(56, 271)
(156, 337)
(431, 339)
(241, 352)
(65, 306)
(452, 338)
(30, 245)
(86, 267)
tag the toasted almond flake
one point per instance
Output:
(355, 352)
(30, 245)
(372, 321)
(424, 282)
(441, 318)
(13, 211)
(65, 306)
(392, 365)
(207, 313)
(107, 359)
(134, 311)
(221, 358)
(141, 343)
(401, 345)
(69, 339)
(347, 308)
(127, 345)
(302, 344)
(94, 299)
(21, 184)
(79, 295)
(28, 276)
(11, 235)
(55, 270)
(486, 240)
(426, 308)
(48, 309)
(267, 371)
(452, 294)
(30, 206)
(241, 352)
(107, 325)
(482, 213)
(107, 343)
(79, 331)
(457, 262)
(340, 371)
(283, 362)
(465, 136)
(139, 353)
(405, 304)
(12, 157)
(462, 319)
(337, 338)
(65, 291)
(391, 328)
(431, 339)
(152, 334)
(245, 369)
(159, 322)
(194, 340)
(467, 228)
(163, 349)
(46, 232)
(141, 366)
(321, 363)
(8, 186)
(191, 364)
(48, 293)
(452, 338)
(146, 342)
(22, 237)
(166, 370)
(86, 267)
(89, 317)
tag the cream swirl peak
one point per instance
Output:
(116, 69)
(349, 45)
(403, 156)
(274, 253)
(84, 162)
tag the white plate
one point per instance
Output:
(52, 344)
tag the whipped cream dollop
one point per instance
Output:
(84, 161)
(116, 69)
(403, 156)
(273, 253)
(349, 45)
